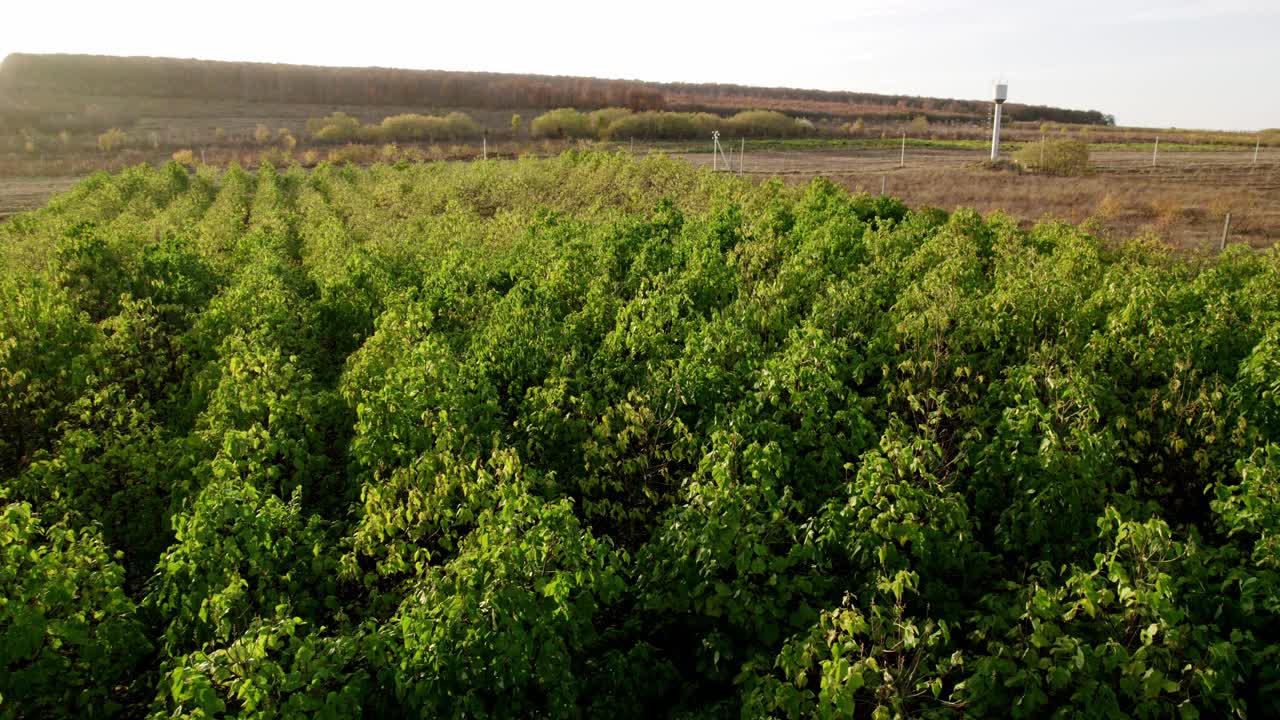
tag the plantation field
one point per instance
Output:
(1182, 201)
(604, 436)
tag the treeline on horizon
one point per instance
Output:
(97, 75)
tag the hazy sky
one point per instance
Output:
(1161, 63)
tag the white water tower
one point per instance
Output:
(1002, 94)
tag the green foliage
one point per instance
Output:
(884, 659)
(663, 126)
(238, 554)
(611, 436)
(70, 639)
(336, 128)
(277, 669)
(44, 365)
(113, 466)
(764, 123)
(621, 123)
(1119, 636)
(513, 609)
(563, 122)
(113, 139)
(601, 119)
(454, 126)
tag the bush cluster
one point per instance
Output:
(620, 124)
(342, 128)
(111, 140)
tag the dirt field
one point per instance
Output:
(1184, 199)
(25, 193)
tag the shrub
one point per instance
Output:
(352, 152)
(370, 134)
(460, 125)
(184, 157)
(262, 134)
(762, 123)
(336, 128)
(563, 122)
(664, 126)
(1056, 157)
(275, 156)
(454, 126)
(602, 119)
(854, 128)
(113, 139)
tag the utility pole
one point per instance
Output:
(742, 152)
(902, 159)
(1256, 145)
(1155, 151)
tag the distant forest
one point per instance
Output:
(104, 76)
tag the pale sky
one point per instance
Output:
(1166, 63)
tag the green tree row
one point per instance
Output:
(340, 127)
(621, 124)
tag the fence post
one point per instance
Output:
(1226, 226)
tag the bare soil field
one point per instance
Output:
(1183, 199)
(25, 193)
